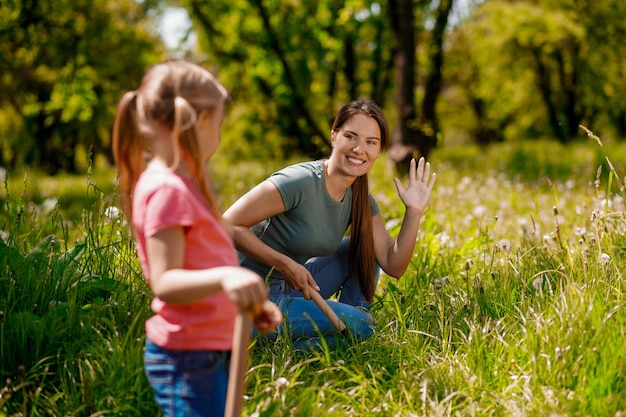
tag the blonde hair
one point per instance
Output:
(171, 95)
(361, 255)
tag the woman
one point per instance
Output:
(292, 227)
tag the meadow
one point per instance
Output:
(514, 304)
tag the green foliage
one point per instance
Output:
(291, 65)
(64, 66)
(537, 68)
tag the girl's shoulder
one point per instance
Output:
(152, 181)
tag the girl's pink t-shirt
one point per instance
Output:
(162, 200)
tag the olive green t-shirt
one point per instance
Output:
(313, 223)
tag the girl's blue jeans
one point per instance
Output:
(304, 319)
(188, 383)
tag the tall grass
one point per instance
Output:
(71, 309)
(513, 304)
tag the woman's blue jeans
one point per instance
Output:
(188, 383)
(304, 319)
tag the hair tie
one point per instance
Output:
(182, 104)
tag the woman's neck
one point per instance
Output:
(336, 184)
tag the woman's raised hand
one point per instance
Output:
(421, 183)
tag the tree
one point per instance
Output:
(290, 65)
(539, 68)
(417, 131)
(65, 64)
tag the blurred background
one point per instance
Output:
(448, 73)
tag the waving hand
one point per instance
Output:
(417, 193)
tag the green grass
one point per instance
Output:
(514, 303)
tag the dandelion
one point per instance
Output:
(282, 382)
(112, 212)
(537, 283)
(48, 205)
(504, 245)
(604, 259)
(439, 283)
(479, 211)
(4, 235)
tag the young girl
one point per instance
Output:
(187, 256)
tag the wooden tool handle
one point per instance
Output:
(238, 364)
(328, 312)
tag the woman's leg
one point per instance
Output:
(304, 319)
(332, 274)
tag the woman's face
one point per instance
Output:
(356, 145)
(208, 130)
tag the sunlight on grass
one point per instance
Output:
(514, 303)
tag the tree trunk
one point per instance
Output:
(403, 141)
(543, 82)
(569, 86)
(432, 88)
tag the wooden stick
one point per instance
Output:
(238, 364)
(328, 312)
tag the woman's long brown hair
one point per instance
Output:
(362, 258)
(171, 95)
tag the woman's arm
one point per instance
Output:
(394, 255)
(261, 203)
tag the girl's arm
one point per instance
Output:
(260, 203)
(175, 285)
(394, 255)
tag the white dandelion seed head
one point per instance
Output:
(580, 231)
(282, 382)
(112, 212)
(504, 245)
(4, 235)
(391, 223)
(440, 282)
(604, 258)
(537, 283)
(48, 205)
(479, 211)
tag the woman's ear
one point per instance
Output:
(333, 136)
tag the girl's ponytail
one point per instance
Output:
(128, 146)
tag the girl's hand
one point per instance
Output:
(246, 289)
(268, 318)
(416, 195)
